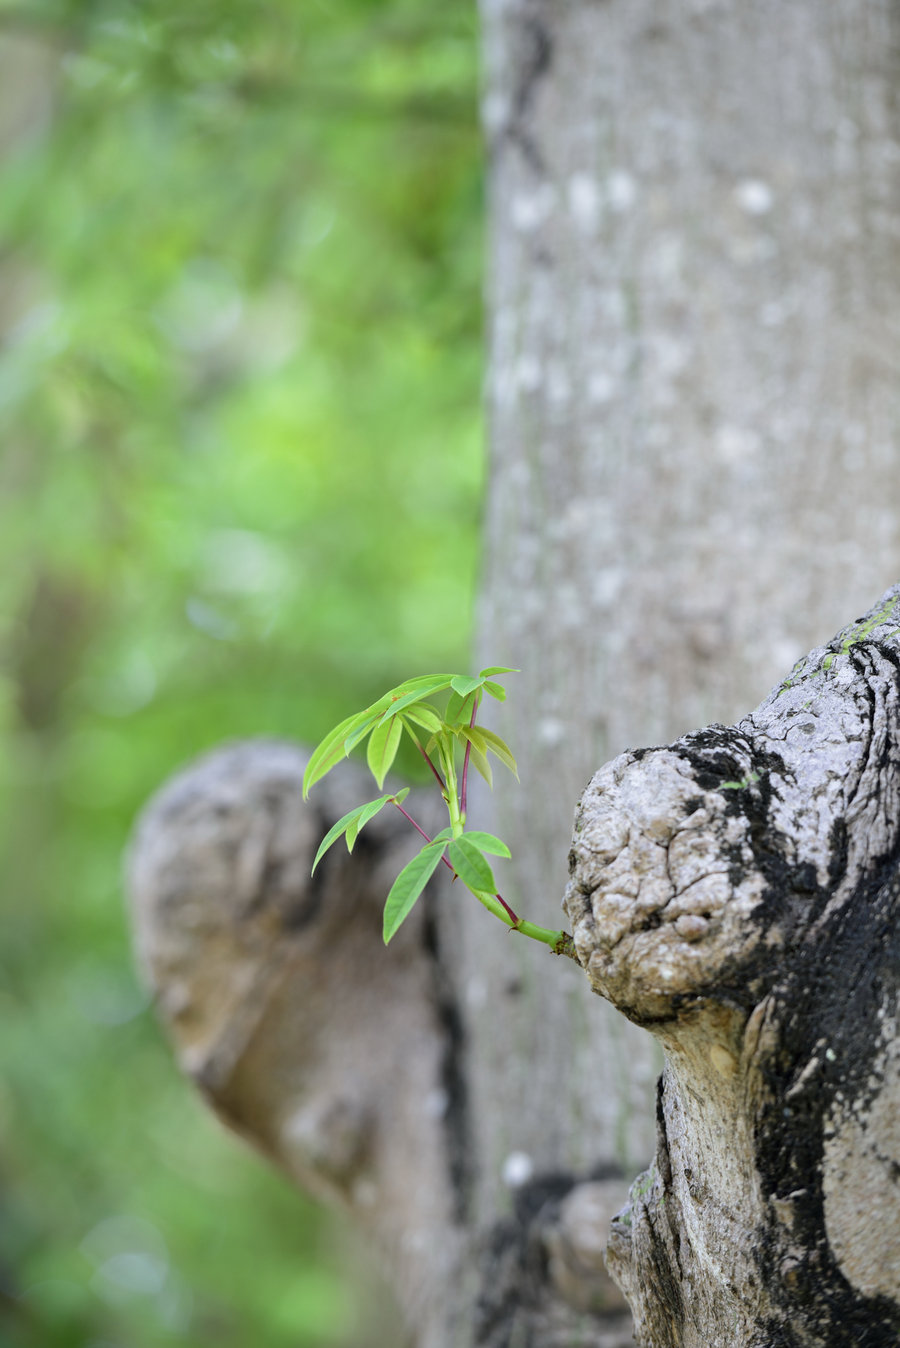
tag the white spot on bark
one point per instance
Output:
(530, 210)
(621, 190)
(529, 374)
(559, 385)
(476, 993)
(754, 196)
(551, 730)
(736, 443)
(601, 387)
(494, 113)
(606, 585)
(584, 202)
(518, 1169)
(434, 1106)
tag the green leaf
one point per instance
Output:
(480, 761)
(329, 751)
(486, 842)
(423, 715)
(500, 749)
(400, 703)
(369, 812)
(464, 684)
(478, 746)
(470, 865)
(409, 885)
(426, 682)
(382, 748)
(459, 708)
(495, 689)
(353, 821)
(497, 669)
(340, 827)
(360, 732)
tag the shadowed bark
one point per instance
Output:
(737, 894)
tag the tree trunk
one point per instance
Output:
(694, 277)
(737, 893)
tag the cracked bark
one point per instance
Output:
(736, 893)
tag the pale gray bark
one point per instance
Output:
(738, 893)
(693, 297)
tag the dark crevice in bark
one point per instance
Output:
(819, 1018)
(535, 58)
(517, 1306)
(453, 1070)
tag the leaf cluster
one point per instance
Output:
(408, 706)
(438, 735)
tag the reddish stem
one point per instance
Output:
(437, 776)
(424, 834)
(500, 899)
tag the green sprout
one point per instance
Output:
(441, 737)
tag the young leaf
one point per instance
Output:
(422, 683)
(459, 708)
(486, 842)
(434, 685)
(464, 684)
(470, 865)
(369, 812)
(330, 751)
(337, 829)
(423, 715)
(495, 689)
(382, 748)
(360, 731)
(480, 761)
(500, 749)
(409, 885)
(496, 669)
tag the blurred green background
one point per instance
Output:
(240, 483)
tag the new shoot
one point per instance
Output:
(450, 741)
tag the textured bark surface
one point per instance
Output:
(693, 290)
(737, 894)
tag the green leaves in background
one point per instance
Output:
(237, 354)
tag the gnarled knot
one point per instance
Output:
(662, 872)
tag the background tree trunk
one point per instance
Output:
(694, 268)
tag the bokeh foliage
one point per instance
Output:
(240, 475)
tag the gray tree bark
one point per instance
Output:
(737, 893)
(694, 282)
